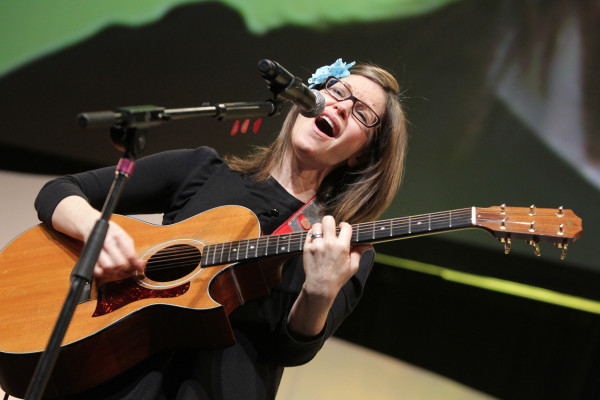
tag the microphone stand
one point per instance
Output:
(129, 126)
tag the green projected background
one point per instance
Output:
(35, 28)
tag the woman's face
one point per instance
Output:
(336, 137)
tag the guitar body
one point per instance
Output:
(120, 323)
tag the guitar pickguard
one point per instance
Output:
(117, 294)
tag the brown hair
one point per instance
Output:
(352, 194)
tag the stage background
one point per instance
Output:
(502, 99)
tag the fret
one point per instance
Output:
(267, 246)
(373, 230)
(229, 252)
(241, 249)
(234, 251)
(387, 228)
(221, 257)
(247, 241)
(206, 255)
(214, 254)
(216, 258)
(425, 223)
(409, 225)
(379, 229)
(399, 225)
(257, 247)
(450, 218)
(252, 247)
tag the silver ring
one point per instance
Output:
(315, 235)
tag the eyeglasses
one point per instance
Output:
(362, 112)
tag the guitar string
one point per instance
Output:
(178, 257)
(366, 233)
(296, 239)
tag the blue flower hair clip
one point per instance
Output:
(339, 69)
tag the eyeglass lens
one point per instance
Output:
(363, 113)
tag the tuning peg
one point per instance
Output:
(563, 252)
(532, 210)
(536, 247)
(507, 244)
(560, 211)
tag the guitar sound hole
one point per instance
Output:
(173, 262)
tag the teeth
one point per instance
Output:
(328, 120)
(326, 125)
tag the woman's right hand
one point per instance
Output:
(118, 258)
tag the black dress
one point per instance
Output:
(181, 184)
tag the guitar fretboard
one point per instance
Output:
(367, 232)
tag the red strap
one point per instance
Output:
(302, 219)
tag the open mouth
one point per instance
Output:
(325, 125)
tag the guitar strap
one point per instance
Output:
(302, 219)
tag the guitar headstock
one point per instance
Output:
(558, 226)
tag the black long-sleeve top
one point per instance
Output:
(181, 184)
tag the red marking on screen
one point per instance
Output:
(245, 126)
(235, 128)
(256, 125)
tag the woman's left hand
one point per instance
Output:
(329, 262)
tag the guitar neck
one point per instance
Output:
(363, 233)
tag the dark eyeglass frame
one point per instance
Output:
(354, 99)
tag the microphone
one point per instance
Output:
(310, 102)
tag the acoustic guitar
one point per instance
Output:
(196, 276)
